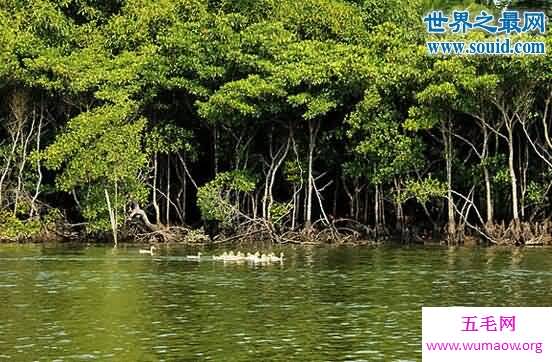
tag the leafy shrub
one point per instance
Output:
(215, 198)
(423, 190)
(12, 228)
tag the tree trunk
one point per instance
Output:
(513, 178)
(487, 177)
(265, 211)
(447, 141)
(112, 215)
(294, 210)
(155, 204)
(20, 184)
(366, 205)
(168, 195)
(184, 198)
(382, 209)
(350, 196)
(215, 151)
(38, 165)
(376, 208)
(336, 194)
(280, 157)
(522, 169)
(137, 211)
(313, 130)
(488, 196)
(399, 222)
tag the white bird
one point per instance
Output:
(274, 258)
(235, 257)
(149, 251)
(194, 257)
(260, 258)
(253, 257)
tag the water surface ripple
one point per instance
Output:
(64, 303)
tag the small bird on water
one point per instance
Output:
(194, 257)
(149, 251)
(274, 258)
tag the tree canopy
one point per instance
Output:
(284, 113)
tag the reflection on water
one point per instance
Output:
(96, 303)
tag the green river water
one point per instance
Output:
(61, 303)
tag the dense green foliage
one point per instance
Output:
(275, 109)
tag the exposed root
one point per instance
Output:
(522, 233)
(174, 234)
